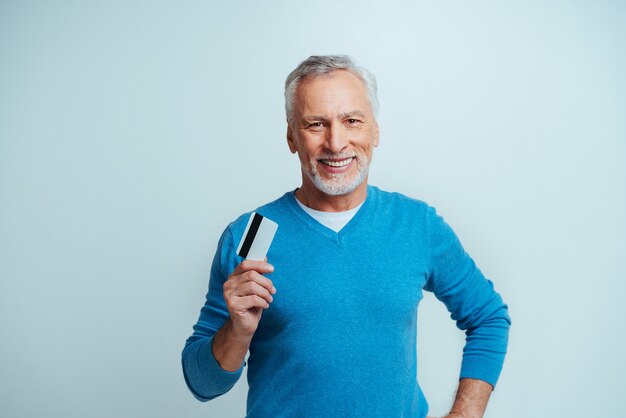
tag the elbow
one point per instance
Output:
(204, 377)
(492, 314)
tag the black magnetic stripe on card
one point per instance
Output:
(247, 243)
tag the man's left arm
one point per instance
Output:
(477, 308)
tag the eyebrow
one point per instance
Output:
(311, 118)
(352, 113)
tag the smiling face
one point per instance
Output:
(334, 132)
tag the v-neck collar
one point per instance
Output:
(324, 230)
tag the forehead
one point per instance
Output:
(338, 91)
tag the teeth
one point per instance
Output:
(338, 163)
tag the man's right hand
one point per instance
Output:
(247, 292)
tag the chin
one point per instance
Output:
(338, 187)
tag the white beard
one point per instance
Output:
(338, 184)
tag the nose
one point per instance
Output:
(336, 138)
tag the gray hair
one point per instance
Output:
(319, 65)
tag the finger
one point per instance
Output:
(262, 267)
(252, 276)
(245, 303)
(253, 288)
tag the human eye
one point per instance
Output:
(353, 121)
(316, 126)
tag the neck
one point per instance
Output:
(311, 196)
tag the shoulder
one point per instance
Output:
(401, 212)
(396, 201)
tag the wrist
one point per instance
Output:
(238, 334)
(230, 348)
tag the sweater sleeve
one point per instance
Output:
(471, 300)
(204, 376)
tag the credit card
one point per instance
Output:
(257, 237)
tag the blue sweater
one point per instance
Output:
(339, 339)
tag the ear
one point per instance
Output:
(291, 142)
(376, 133)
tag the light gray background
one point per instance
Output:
(131, 133)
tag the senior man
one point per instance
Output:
(330, 324)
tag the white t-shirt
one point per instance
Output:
(331, 220)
